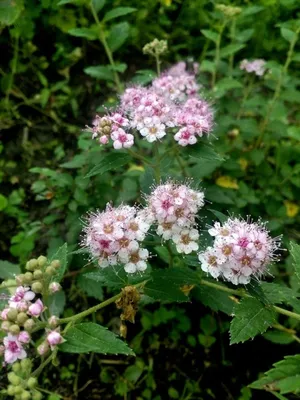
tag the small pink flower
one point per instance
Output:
(54, 338)
(22, 294)
(36, 308)
(122, 139)
(24, 337)
(54, 287)
(4, 314)
(13, 349)
(103, 139)
(53, 321)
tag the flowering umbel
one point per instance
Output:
(256, 66)
(241, 250)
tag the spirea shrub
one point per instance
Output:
(171, 117)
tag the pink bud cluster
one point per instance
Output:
(256, 66)
(173, 208)
(170, 106)
(114, 236)
(241, 250)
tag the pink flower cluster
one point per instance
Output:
(21, 301)
(241, 250)
(256, 66)
(170, 105)
(113, 238)
(173, 208)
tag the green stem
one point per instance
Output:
(242, 293)
(43, 365)
(13, 68)
(157, 164)
(232, 36)
(217, 55)
(157, 64)
(134, 154)
(248, 89)
(108, 52)
(278, 88)
(97, 307)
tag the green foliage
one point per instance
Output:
(87, 337)
(8, 270)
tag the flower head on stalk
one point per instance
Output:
(113, 237)
(256, 66)
(241, 250)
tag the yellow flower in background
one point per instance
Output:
(227, 182)
(243, 163)
(166, 3)
(292, 209)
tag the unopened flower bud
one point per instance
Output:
(11, 390)
(50, 271)
(37, 287)
(37, 396)
(18, 390)
(2, 350)
(38, 274)
(123, 331)
(43, 348)
(5, 325)
(54, 287)
(32, 382)
(32, 264)
(42, 261)
(22, 318)
(29, 324)
(54, 338)
(23, 306)
(55, 264)
(53, 321)
(14, 329)
(233, 133)
(103, 139)
(36, 308)
(26, 365)
(4, 313)
(12, 314)
(16, 367)
(13, 378)
(27, 277)
(24, 337)
(20, 279)
(25, 395)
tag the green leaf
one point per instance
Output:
(87, 33)
(114, 277)
(10, 11)
(91, 287)
(100, 72)
(231, 49)
(89, 337)
(221, 217)
(118, 35)
(226, 84)
(288, 35)
(118, 12)
(56, 303)
(110, 161)
(3, 202)
(203, 151)
(250, 318)
(279, 337)
(165, 284)
(8, 270)
(277, 293)
(144, 76)
(98, 5)
(244, 36)
(78, 161)
(284, 377)
(295, 253)
(62, 256)
(214, 36)
(214, 299)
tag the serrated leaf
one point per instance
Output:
(8, 270)
(284, 377)
(114, 277)
(295, 253)
(221, 217)
(118, 12)
(211, 35)
(91, 287)
(110, 161)
(89, 337)
(203, 151)
(231, 49)
(254, 288)
(214, 299)
(288, 35)
(251, 317)
(118, 35)
(165, 285)
(100, 72)
(86, 33)
(62, 256)
(276, 293)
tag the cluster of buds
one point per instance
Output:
(241, 250)
(229, 11)
(114, 237)
(22, 385)
(25, 307)
(170, 106)
(256, 66)
(156, 47)
(173, 208)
